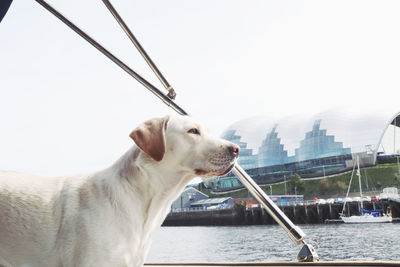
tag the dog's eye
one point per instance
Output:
(194, 131)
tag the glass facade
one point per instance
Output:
(317, 145)
(246, 158)
(271, 151)
(323, 150)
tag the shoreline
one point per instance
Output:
(299, 214)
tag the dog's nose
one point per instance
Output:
(234, 150)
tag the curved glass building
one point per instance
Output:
(315, 146)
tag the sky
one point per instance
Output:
(65, 108)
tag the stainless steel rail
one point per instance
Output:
(294, 232)
(307, 253)
(157, 72)
(113, 58)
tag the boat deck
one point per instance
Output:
(280, 263)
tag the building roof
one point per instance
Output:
(211, 201)
(194, 189)
(358, 130)
(311, 146)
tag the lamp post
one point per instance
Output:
(270, 188)
(285, 185)
(398, 165)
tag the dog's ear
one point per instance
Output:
(150, 137)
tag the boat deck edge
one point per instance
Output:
(278, 263)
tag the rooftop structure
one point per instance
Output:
(189, 195)
(213, 203)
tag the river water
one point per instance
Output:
(332, 242)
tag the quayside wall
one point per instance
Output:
(299, 214)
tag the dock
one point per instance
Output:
(298, 214)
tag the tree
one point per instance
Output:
(295, 184)
(397, 179)
(324, 186)
(341, 186)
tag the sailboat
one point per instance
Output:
(367, 216)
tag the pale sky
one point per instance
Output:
(65, 108)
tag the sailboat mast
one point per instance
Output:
(359, 181)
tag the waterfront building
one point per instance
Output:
(280, 200)
(315, 146)
(271, 151)
(246, 158)
(213, 203)
(189, 195)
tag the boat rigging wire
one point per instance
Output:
(348, 189)
(307, 252)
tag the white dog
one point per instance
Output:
(107, 218)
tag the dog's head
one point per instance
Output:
(180, 142)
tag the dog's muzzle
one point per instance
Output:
(221, 163)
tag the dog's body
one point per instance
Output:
(107, 218)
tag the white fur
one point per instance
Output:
(106, 218)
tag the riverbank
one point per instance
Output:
(300, 214)
(374, 179)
